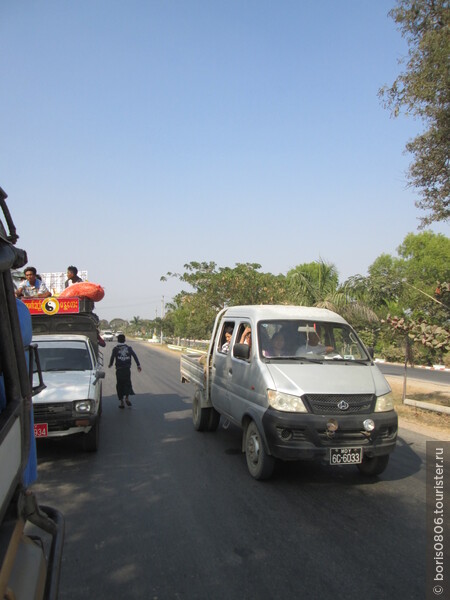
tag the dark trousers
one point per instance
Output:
(123, 382)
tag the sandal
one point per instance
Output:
(128, 402)
(122, 405)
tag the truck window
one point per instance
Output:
(74, 357)
(244, 335)
(224, 339)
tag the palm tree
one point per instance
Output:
(317, 284)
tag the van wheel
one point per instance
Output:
(91, 439)
(374, 465)
(259, 463)
(200, 416)
(213, 420)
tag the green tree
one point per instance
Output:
(192, 313)
(407, 283)
(136, 321)
(380, 289)
(118, 324)
(425, 257)
(406, 287)
(423, 90)
(313, 284)
(317, 284)
(424, 260)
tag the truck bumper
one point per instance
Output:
(61, 420)
(296, 436)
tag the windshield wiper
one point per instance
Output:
(318, 361)
(296, 358)
(358, 361)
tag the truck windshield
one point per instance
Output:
(72, 356)
(309, 340)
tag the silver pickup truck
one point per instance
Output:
(301, 385)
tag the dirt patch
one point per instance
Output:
(433, 424)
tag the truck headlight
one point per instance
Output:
(285, 402)
(83, 406)
(384, 403)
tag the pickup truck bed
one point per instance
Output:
(192, 369)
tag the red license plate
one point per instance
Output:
(40, 430)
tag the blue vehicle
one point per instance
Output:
(29, 564)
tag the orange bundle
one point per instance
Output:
(84, 289)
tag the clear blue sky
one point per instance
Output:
(137, 136)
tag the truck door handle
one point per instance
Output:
(230, 371)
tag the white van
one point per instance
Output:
(301, 385)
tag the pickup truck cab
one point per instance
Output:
(301, 385)
(71, 403)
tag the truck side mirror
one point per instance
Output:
(370, 351)
(99, 375)
(241, 351)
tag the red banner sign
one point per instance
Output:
(52, 306)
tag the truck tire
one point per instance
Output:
(373, 465)
(259, 463)
(213, 421)
(91, 439)
(200, 416)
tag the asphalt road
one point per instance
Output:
(432, 376)
(164, 512)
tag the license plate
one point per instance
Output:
(346, 456)
(40, 430)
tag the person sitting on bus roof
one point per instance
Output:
(33, 287)
(72, 276)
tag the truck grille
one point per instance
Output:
(58, 416)
(344, 437)
(327, 404)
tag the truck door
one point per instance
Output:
(241, 373)
(221, 366)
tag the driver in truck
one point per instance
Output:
(313, 346)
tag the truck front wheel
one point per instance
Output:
(373, 465)
(259, 463)
(91, 439)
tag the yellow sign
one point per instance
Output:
(50, 306)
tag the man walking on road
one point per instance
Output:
(122, 354)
